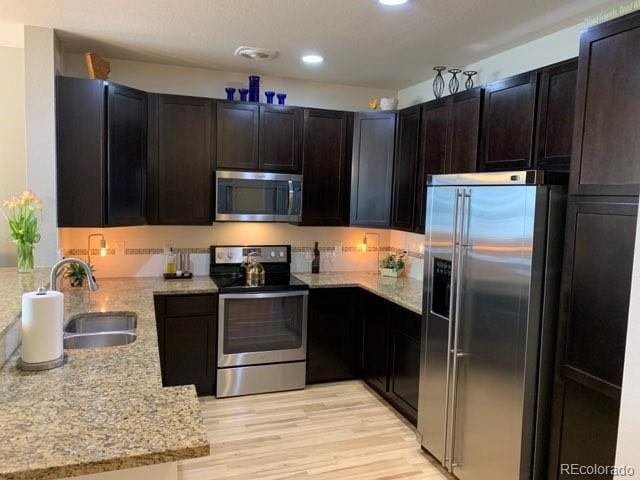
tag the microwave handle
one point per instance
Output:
(290, 210)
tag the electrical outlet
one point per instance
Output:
(337, 247)
(119, 248)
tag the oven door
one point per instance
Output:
(258, 197)
(260, 328)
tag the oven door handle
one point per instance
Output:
(280, 294)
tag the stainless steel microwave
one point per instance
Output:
(258, 197)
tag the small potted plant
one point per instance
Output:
(76, 275)
(392, 265)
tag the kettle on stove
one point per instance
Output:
(254, 271)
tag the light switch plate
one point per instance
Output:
(337, 247)
(119, 248)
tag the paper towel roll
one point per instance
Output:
(42, 318)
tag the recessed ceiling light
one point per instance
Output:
(312, 59)
(392, 3)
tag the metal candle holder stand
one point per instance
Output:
(454, 84)
(468, 84)
(438, 82)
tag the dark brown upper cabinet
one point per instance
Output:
(606, 141)
(433, 153)
(181, 160)
(464, 131)
(280, 138)
(556, 107)
(449, 137)
(404, 168)
(326, 167)
(237, 139)
(508, 122)
(101, 131)
(372, 168)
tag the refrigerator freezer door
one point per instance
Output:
(495, 281)
(443, 205)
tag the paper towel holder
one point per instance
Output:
(40, 366)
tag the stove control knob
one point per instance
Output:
(229, 255)
(281, 254)
(273, 254)
(220, 255)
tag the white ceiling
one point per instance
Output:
(363, 42)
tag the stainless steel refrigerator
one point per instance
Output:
(493, 250)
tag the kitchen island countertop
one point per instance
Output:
(106, 408)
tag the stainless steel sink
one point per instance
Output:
(100, 329)
(97, 340)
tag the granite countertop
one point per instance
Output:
(105, 409)
(404, 291)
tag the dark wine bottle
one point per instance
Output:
(315, 263)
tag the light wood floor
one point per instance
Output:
(339, 431)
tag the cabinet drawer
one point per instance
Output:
(181, 305)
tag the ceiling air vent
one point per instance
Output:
(253, 53)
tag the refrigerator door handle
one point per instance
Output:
(452, 301)
(456, 333)
(464, 236)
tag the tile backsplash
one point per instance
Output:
(138, 251)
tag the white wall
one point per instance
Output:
(211, 83)
(628, 448)
(552, 48)
(39, 69)
(12, 139)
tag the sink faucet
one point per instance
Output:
(55, 273)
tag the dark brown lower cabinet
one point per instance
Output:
(333, 331)
(589, 429)
(592, 331)
(186, 326)
(391, 353)
(405, 364)
(376, 335)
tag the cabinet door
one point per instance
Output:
(589, 430)
(508, 123)
(326, 168)
(237, 138)
(126, 156)
(183, 168)
(404, 168)
(187, 352)
(372, 168)
(592, 329)
(405, 367)
(464, 131)
(280, 138)
(433, 153)
(376, 336)
(599, 278)
(333, 348)
(606, 141)
(80, 142)
(556, 107)
(186, 328)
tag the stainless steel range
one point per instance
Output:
(262, 329)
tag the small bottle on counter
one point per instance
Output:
(315, 263)
(170, 262)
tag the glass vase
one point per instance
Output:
(25, 257)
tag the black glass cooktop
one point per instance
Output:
(227, 283)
